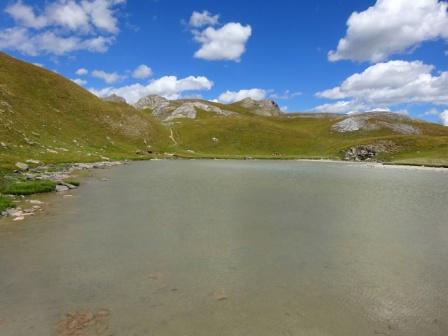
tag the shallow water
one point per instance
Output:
(233, 248)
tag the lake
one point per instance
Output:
(212, 247)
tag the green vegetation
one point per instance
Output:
(5, 203)
(46, 117)
(75, 183)
(29, 187)
(302, 136)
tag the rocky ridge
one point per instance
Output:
(169, 110)
(376, 121)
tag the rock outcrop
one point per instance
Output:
(267, 108)
(168, 110)
(369, 152)
(376, 121)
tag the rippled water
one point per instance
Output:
(233, 248)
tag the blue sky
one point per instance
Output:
(393, 56)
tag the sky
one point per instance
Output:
(319, 56)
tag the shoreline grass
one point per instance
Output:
(29, 187)
(5, 203)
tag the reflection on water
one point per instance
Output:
(233, 248)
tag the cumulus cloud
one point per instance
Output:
(391, 83)
(348, 106)
(142, 71)
(79, 81)
(108, 77)
(82, 72)
(390, 27)
(169, 87)
(225, 43)
(444, 117)
(61, 27)
(234, 96)
(204, 18)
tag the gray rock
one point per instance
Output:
(22, 166)
(374, 121)
(61, 187)
(267, 108)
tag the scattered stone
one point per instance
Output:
(32, 161)
(22, 166)
(215, 140)
(60, 188)
(3, 145)
(19, 218)
(35, 202)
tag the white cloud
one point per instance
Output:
(234, 96)
(205, 18)
(390, 27)
(25, 16)
(79, 81)
(61, 27)
(287, 94)
(40, 65)
(393, 82)
(444, 117)
(225, 43)
(343, 106)
(169, 87)
(142, 71)
(108, 77)
(82, 72)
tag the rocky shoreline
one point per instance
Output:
(57, 173)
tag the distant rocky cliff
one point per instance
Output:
(168, 110)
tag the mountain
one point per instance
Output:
(46, 117)
(168, 110)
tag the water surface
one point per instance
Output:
(244, 248)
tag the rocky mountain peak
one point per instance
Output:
(265, 107)
(114, 98)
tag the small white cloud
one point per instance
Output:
(390, 27)
(234, 96)
(108, 77)
(287, 94)
(40, 65)
(205, 18)
(142, 71)
(79, 81)
(225, 43)
(169, 87)
(444, 117)
(82, 72)
(284, 108)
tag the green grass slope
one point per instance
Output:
(46, 117)
(304, 136)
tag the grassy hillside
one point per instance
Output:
(305, 136)
(46, 117)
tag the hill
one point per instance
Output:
(46, 117)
